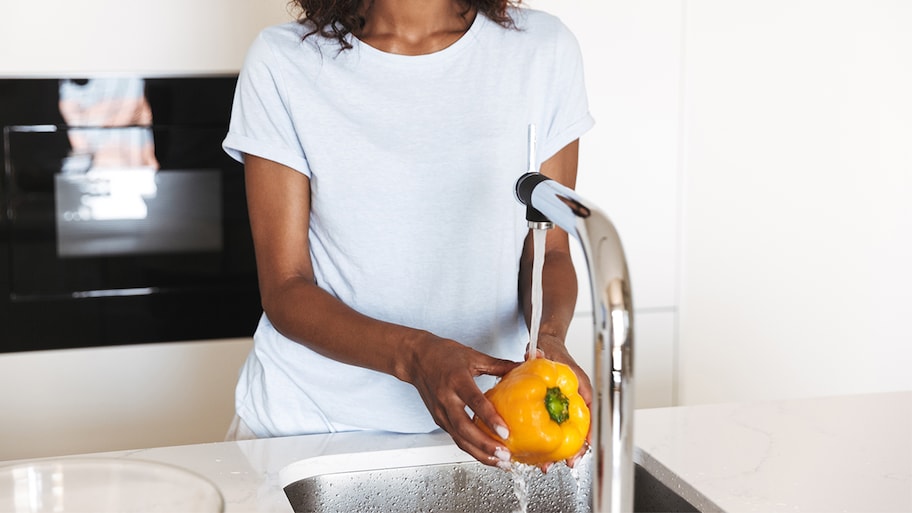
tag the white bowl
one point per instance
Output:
(103, 485)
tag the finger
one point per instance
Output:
(491, 366)
(499, 456)
(572, 462)
(585, 386)
(485, 411)
(473, 440)
(538, 353)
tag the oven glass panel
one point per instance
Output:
(79, 228)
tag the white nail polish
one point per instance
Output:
(503, 455)
(502, 432)
(504, 465)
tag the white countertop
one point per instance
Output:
(845, 454)
(833, 454)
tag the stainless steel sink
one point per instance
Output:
(418, 483)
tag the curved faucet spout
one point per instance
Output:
(612, 312)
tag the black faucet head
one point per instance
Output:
(523, 190)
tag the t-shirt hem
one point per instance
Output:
(565, 137)
(237, 145)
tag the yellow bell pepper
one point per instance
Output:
(547, 418)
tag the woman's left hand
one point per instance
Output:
(553, 348)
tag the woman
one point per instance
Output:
(381, 141)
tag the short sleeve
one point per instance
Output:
(261, 123)
(567, 112)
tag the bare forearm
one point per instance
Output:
(559, 291)
(308, 315)
(559, 284)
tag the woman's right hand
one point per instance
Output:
(443, 372)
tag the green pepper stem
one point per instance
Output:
(557, 404)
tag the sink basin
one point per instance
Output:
(444, 479)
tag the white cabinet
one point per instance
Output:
(95, 399)
(653, 355)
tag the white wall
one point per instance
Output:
(797, 222)
(58, 37)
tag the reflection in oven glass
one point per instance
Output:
(113, 211)
(95, 106)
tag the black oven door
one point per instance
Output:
(102, 249)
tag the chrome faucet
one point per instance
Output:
(612, 311)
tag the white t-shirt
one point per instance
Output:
(412, 162)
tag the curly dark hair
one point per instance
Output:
(335, 19)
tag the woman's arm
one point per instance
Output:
(559, 282)
(441, 370)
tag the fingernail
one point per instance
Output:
(502, 454)
(504, 465)
(502, 432)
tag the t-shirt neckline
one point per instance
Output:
(457, 46)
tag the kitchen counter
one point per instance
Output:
(844, 453)
(847, 453)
